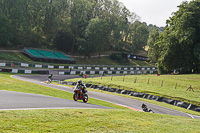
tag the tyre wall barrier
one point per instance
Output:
(108, 72)
(141, 95)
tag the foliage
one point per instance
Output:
(139, 36)
(154, 27)
(63, 41)
(197, 51)
(73, 26)
(116, 56)
(177, 47)
(153, 52)
(96, 34)
(6, 30)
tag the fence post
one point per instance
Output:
(135, 79)
(176, 85)
(162, 83)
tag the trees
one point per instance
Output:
(136, 38)
(97, 33)
(139, 35)
(63, 41)
(6, 30)
(71, 25)
(80, 15)
(153, 43)
(179, 43)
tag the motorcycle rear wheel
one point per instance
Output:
(75, 97)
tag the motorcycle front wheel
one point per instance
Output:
(85, 98)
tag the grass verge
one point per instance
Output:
(73, 120)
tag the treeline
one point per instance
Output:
(178, 47)
(83, 26)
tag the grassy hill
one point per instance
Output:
(19, 57)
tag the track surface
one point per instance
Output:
(17, 101)
(39, 79)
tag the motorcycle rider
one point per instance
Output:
(81, 84)
(145, 109)
(50, 78)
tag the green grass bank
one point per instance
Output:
(84, 120)
(97, 121)
(19, 57)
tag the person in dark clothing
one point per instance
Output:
(145, 109)
(81, 84)
(50, 78)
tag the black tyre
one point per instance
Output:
(75, 96)
(85, 98)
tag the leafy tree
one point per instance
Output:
(63, 41)
(39, 23)
(97, 33)
(153, 43)
(138, 36)
(84, 47)
(179, 43)
(80, 15)
(5, 30)
(197, 51)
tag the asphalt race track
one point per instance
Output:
(34, 101)
(20, 101)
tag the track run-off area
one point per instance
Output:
(24, 101)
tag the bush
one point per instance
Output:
(116, 56)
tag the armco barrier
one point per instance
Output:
(35, 71)
(24, 71)
(142, 95)
(78, 67)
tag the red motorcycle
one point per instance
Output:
(79, 95)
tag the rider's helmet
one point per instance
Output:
(79, 81)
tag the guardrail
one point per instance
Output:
(61, 72)
(77, 67)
